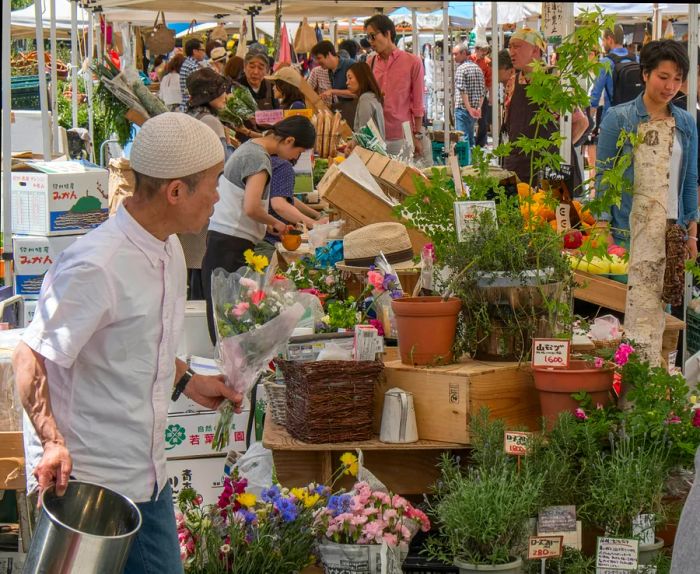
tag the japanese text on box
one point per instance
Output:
(550, 353)
(516, 442)
(544, 547)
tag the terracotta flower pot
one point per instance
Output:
(426, 329)
(557, 385)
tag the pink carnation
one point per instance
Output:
(376, 280)
(241, 309)
(623, 353)
(248, 283)
(390, 539)
(374, 531)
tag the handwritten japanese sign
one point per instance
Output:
(468, 216)
(516, 442)
(550, 353)
(269, 117)
(617, 553)
(557, 519)
(544, 547)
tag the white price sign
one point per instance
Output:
(542, 547)
(516, 442)
(617, 553)
(553, 353)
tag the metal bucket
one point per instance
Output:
(88, 530)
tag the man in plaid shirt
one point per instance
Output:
(195, 54)
(470, 89)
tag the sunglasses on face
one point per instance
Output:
(371, 36)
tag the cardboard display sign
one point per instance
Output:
(551, 353)
(516, 442)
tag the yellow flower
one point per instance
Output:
(255, 262)
(299, 493)
(311, 500)
(693, 399)
(247, 499)
(350, 465)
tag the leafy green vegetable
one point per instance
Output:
(240, 106)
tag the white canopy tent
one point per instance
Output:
(24, 20)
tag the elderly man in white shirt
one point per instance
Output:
(96, 368)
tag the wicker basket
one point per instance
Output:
(607, 344)
(277, 401)
(330, 401)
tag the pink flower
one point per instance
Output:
(377, 324)
(580, 414)
(241, 309)
(374, 531)
(329, 280)
(358, 520)
(399, 502)
(198, 500)
(623, 353)
(381, 497)
(190, 546)
(599, 406)
(257, 297)
(390, 514)
(183, 553)
(390, 539)
(673, 419)
(598, 363)
(248, 283)
(696, 418)
(376, 280)
(310, 291)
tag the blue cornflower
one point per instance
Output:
(339, 503)
(396, 293)
(247, 515)
(389, 279)
(270, 494)
(287, 509)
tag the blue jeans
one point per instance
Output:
(155, 549)
(465, 123)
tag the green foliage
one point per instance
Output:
(240, 106)
(19, 4)
(627, 482)
(342, 314)
(481, 514)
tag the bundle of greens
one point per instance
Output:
(128, 88)
(240, 106)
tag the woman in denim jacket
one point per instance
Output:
(665, 67)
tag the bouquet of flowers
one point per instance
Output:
(309, 277)
(243, 534)
(255, 315)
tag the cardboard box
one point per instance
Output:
(354, 197)
(446, 397)
(29, 309)
(192, 434)
(12, 562)
(205, 475)
(32, 257)
(58, 198)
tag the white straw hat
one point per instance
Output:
(362, 246)
(173, 145)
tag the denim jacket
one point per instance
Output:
(628, 116)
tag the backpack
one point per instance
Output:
(627, 79)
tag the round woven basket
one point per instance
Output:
(607, 344)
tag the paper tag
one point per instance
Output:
(541, 547)
(468, 215)
(557, 519)
(460, 189)
(516, 442)
(643, 528)
(552, 353)
(366, 343)
(563, 217)
(617, 553)
(269, 117)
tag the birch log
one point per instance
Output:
(644, 311)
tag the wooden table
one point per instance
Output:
(403, 468)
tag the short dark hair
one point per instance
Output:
(505, 62)
(657, 51)
(290, 93)
(382, 23)
(350, 46)
(211, 44)
(149, 186)
(297, 127)
(324, 48)
(617, 34)
(365, 79)
(364, 42)
(191, 45)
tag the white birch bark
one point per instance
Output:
(644, 311)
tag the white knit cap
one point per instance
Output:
(173, 145)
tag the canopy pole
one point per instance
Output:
(43, 88)
(414, 28)
(495, 104)
(88, 85)
(446, 55)
(54, 79)
(6, 199)
(74, 50)
(351, 33)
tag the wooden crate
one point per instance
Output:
(12, 461)
(396, 178)
(361, 205)
(446, 397)
(403, 468)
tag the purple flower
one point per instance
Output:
(389, 279)
(396, 293)
(339, 503)
(270, 494)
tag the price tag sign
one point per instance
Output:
(563, 217)
(553, 519)
(516, 442)
(468, 216)
(269, 117)
(617, 553)
(542, 547)
(553, 353)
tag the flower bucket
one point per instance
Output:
(426, 329)
(514, 567)
(355, 558)
(556, 386)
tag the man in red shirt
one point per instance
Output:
(481, 59)
(401, 78)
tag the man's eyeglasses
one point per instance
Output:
(371, 36)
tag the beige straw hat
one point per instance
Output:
(173, 145)
(362, 246)
(286, 74)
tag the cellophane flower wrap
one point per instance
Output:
(255, 314)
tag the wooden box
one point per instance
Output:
(395, 177)
(361, 205)
(446, 397)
